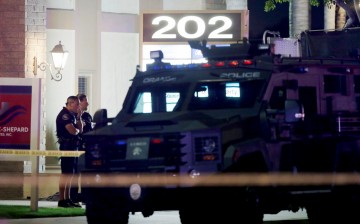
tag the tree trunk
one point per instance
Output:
(299, 17)
(340, 18)
(329, 17)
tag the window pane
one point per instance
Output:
(82, 85)
(143, 104)
(335, 84)
(171, 100)
(232, 89)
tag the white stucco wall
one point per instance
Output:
(183, 4)
(120, 6)
(56, 93)
(63, 4)
(108, 53)
(119, 58)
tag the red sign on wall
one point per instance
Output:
(15, 117)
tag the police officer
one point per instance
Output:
(85, 117)
(68, 128)
(87, 121)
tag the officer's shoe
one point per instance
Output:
(64, 204)
(76, 198)
(73, 204)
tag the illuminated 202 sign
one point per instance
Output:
(184, 26)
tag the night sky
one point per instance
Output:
(277, 20)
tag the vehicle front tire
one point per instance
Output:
(101, 208)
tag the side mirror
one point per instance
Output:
(294, 111)
(100, 118)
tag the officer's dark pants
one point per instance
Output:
(69, 166)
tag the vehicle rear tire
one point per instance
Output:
(188, 217)
(222, 205)
(221, 215)
(111, 219)
(241, 214)
(343, 208)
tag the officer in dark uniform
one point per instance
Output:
(87, 121)
(85, 117)
(68, 128)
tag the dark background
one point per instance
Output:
(278, 19)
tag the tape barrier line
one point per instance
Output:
(41, 153)
(222, 180)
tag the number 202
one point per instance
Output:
(218, 33)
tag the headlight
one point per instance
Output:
(194, 173)
(94, 155)
(135, 191)
(95, 151)
(208, 145)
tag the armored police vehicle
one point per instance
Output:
(227, 141)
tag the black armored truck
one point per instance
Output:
(245, 134)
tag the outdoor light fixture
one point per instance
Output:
(59, 57)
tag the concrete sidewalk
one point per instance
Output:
(50, 204)
(166, 217)
(26, 202)
(158, 217)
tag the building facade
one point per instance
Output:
(102, 38)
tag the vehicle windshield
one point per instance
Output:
(206, 95)
(159, 98)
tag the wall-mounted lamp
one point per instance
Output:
(59, 57)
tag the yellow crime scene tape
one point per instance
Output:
(225, 179)
(221, 180)
(49, 153)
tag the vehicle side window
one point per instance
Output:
(171, 100)
(357, 83)
(225, 95)
(335, 84)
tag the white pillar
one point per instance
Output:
(299, 13)
(236, 5)
(183, 4)
(329, 17)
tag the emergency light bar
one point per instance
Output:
(159, 65)
(212, 64)
(156, 55)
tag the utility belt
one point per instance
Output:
(74, 141)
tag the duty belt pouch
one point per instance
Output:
(67, 144)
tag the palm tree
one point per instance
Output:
(299, 11)
(271, 4)
(329, 16)
(340, 18)
(340, 14)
